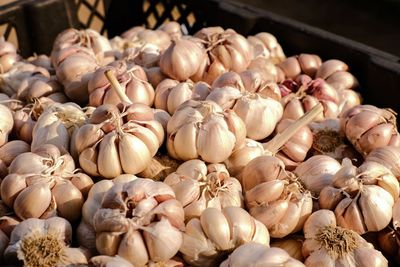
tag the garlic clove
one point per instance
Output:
(376, 206)
(329, 67)
(134, 155)
(369, 257)
(241, 224)
(12, 149)
(69, 200)
(288, 222)
(107, 243)
(33, 201)
(270, 214)
(264, 193)
(330, 197)
(133, 248)
(216, 227)
(186, 148)
(88, 161)
(109, 164)
(162, 239)
(11, 186)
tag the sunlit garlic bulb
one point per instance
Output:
(201, 129)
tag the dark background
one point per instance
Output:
(372, 22)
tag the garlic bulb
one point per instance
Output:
(43, 61)
(42, 184)
(182, 59)
(226, 51)
(274, 197)
(12, 149)
(362, 197)
(25, 119)
(42, 88)
(317, 172)
(292, 245)
(327, 244)
(268, 71)
(139, 36)
(388, 156)
(118, 140)
(38, 242)
(137, 219)
(6, 124)
(74, 68)
(170, 94)
(388, 238)
(133, 80)
(242, 156)
(87, 38)
(201, 129)
(198, 186)
(209, 238)
(308, 94)
(254, 254)
(8, 55)
(368, 127)
(266, 45)
(295, 150)
(57, 124)
(173, 29)
(12, 80)
(329, 140)
(259, 113)
(302, 64)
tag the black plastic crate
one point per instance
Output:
(37, 22)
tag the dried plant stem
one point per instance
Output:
(117, 87)
(280, 139)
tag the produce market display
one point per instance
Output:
(159, 148)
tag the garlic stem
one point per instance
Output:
(273, 146)
(117, 87)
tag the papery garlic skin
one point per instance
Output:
(199, 129)
(292, 245)
(207, 239)
(255, 254)
(39, 242)
(328, 244)
(368, 127)
(362, 198)
(117, 141)
(137, 232)
(198, 186)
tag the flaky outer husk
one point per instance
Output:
(208, 239)
(254, 254)
(327, 244)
